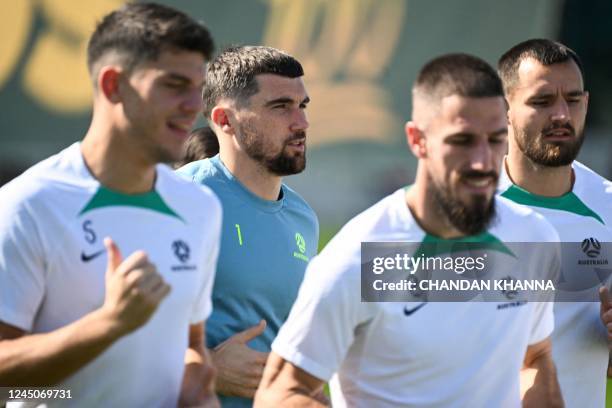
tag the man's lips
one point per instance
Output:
(479, 182)
(181, 127)
(297, 144)
(558, 134)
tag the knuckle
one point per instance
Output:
(135, 277)
(140, 254)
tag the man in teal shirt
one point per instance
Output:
(255, 102)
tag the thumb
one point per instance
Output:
(604, 297)
(250, 333)
(113, 255)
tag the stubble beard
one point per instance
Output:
(280, 164)
(549, 154)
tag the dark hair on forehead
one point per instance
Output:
(139, 32)
(457, 74)
(232, 73)
(546, 52)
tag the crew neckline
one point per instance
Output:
(245, 193)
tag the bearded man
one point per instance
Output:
(255, 101)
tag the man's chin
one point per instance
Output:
(167, 157)
(477, 201)
(476, 216)
(288, 167)
(553, 158)
(554, 153)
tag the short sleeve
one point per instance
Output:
(550, 266)
(22, 265)
(203, 305)
(543, 322)
(321, 326)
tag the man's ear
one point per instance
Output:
(220, 116)
(416, 140)
(109, 79)
(507, 102)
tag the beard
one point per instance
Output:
(469, 219)
(550, 154)
(281, 164)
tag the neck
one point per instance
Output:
(114, 162)
(252, 175)
(541, 180)
(427, 212)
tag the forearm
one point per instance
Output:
(193, 378)
(46, 359)
(545, 391)
(198, 380)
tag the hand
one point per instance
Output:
(134, 289)
(606, 310)
(239, 368)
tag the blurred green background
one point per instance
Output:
(360, 58)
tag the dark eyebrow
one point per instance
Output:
(542, 96)
(549, 95)
(459, 134)
(285, 99)
(184, 80)
(466, 134)
(499, 132)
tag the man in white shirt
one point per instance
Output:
(107, 258)
(543, 83)
(389, 354)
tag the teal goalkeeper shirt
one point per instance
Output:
(265, 248)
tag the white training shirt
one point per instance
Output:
(53, 219)
(579, 340)
(442, 355)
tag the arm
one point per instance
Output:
(606, 310)
(285, 385)
(46, 359)
(134, 289)
(538, 365)
(198, 380)
(239, 367)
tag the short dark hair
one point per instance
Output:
(232, 74)
(458, 74)
(201, 144)
(141, 31)
(546, 52)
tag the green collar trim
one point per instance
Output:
(432, 246)
(568, 202)
(108, 198)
